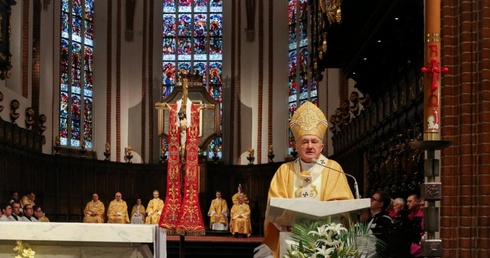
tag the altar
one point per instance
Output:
(73, 240)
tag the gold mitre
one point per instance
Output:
(308, 119)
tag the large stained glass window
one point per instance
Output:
(301, 86)
(76, 73)
(192, 43)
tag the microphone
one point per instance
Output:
(356, 186)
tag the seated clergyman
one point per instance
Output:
(94, 210)
(118, 211)
(218, 213)
(240, 218)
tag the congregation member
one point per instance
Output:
(218, 213)
(94, 210)
(14, 197)
(380, 222)
(416, 216)
(7, 213)
(118, 211)
(28, 199)
(398, 206)
(154, 209)
(39, 214)
(239, 192)
(311, 175)
(16, 211)
(240, 223)
(138, 213)
(28, 214)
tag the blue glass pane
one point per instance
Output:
(200, 25)
(89, 10)
(169, 47)
(75, 117)
(65, 25)
(216, 47)
(89, 33)
(77, 8)
(184, 68)
(65, 6)
(293, 42)
(200, 45)
(184, 26)
(215, 72)
(169, 73)
(76, 29)
(87, 115)
(292, 63)
(185, 46)
(200, 68)
(169, 6)
(292, 12)
(216, 25)
(169, 26)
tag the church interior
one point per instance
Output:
(88, 87)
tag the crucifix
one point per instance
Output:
(184, 115)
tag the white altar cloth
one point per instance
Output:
(84, 239)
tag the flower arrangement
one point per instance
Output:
(327, 239)
(23, 250)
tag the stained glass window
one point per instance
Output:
(301, 86)
(193, 43)
(76, 73)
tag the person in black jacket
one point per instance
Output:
(380, 222)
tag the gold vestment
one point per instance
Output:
(117, 212)
(94, 212)
(155, 206)
(240, 219)
(334, 186)
(220, 209)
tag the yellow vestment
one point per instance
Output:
(154, 210)
(43, 219)
(94, 212)
(218, 212)
(117, 212)
(25, 200)
(334, 186)
(240, 219)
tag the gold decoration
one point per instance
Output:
(333, 10)
(308, 120)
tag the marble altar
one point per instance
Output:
(67, 240)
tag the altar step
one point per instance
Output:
(213, 246)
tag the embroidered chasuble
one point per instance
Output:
(182, 214)
(309, 182)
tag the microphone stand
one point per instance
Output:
(356, 186)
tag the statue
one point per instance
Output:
(129, 154)
(107, 151)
